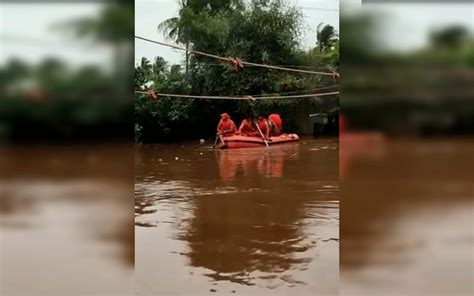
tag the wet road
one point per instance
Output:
(246, 221)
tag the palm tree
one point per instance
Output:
(146, 69)
(143, 73)
(158, 66)
(326, 36)
(172, 29)
(146, 65)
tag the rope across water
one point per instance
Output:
(233, 60)
(237, 97)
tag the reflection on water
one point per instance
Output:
(65, 220)
(407, 211)
(243, 162)
(245, 221)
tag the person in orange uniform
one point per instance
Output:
(226, 126)
(275, 124)
(246, 127)
(264, 127)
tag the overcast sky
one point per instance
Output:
(27, 31)
(149, 13)
(406, 27)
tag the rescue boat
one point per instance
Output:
(241, 141)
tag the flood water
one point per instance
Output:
(407, 216)
(66, 223)
(260, 221)
(248, 222)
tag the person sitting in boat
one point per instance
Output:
(246, 127)
(226, 126)
(263, 127)
(275, 123)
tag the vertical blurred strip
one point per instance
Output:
(66, 148)
(406, 151)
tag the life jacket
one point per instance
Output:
(264, 127)
(276, 124)
(247, 128)
(226, 127)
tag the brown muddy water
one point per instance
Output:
(248, 222)
(260, 221)
(66, 220)
(407, 211)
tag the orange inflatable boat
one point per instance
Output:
(240, 141)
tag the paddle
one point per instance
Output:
(215, 142)
(261, 134)
(219, 137)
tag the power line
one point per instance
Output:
(229, 60)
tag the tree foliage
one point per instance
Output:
(327, 36)
(450, 37)
(261, 31)
(420, 90)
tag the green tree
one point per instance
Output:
(450, 37)
(159, 66)
(14, 71)
(263, 31)
(113, 26)
(326, 36)
(143, 73)
(173, 28)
